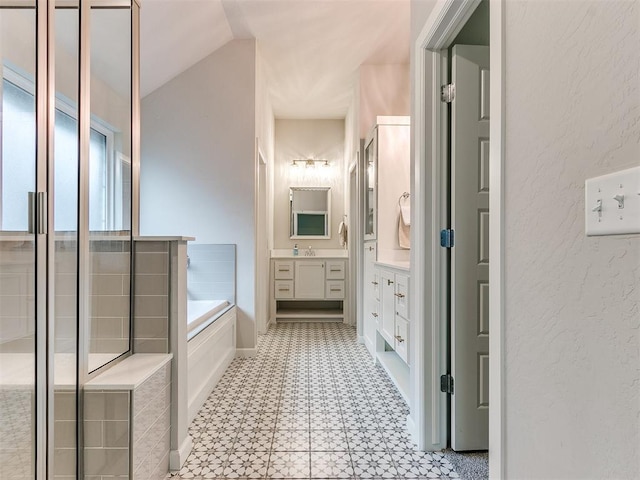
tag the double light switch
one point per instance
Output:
(613, 203)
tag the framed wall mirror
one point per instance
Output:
(310, 212)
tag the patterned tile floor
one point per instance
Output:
(311, 404)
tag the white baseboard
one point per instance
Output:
(246, 352)
(178, 457)
(361, 339)
(413, 431)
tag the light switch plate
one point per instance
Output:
(612, 203)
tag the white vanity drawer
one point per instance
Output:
(283, 289)
(402, 338)
(335, 270)
(283, 270)
(335, 289)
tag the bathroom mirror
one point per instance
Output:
(370, 215)
(310, 212)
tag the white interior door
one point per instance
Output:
(470, 254)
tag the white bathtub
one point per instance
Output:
(211, 347)
(201, 313)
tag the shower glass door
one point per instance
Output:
(18, 242)
(63, 247)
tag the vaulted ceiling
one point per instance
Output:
(311, 48)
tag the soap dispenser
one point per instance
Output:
(295, 250)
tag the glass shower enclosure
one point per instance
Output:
(68, 210)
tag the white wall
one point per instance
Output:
(264, 193)
(572, 303)
(198, 162)
(383, 90)
(301, 139)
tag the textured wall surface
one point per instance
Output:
(301, 139)
(198, 162)
(384, 90)
(572, 318)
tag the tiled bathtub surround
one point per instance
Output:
(211, 273)
(106, 432)
(110, 295)
(151, 302)
(151, 424)
(311, 404)
(127, 420)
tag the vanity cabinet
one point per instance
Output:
(309, 279)
(371, 297)
(387, 306)
(308, 288)
(389, 292)
(394, 324)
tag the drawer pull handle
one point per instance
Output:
(283, 289)
(374, 283)
(375, 314)
(283, 269)
(399, 339)
(336, 289)
(371, 249)
(335, 270)
(389, 282)
(399, 295)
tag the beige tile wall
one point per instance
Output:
(64, 462)
(106, 432)
(110, 296)
(151, 426)
(17, 298)
(151, 297)
(127, 434)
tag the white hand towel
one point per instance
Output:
(342, 234)
(404, 234)
(405, 214)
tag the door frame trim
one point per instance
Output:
(428, 422)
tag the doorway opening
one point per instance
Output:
(459, 45)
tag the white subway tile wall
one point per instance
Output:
(211, 273)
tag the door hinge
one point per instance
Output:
(446, 238)
(446, 384)
(448, 93)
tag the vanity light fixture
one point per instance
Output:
(309, 163)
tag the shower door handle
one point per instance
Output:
(41, 215)
(31, 221)
(37, 222)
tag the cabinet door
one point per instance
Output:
(402, 295)
(387, 306)
(402, 338)
(309, 279)
(370, 297)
